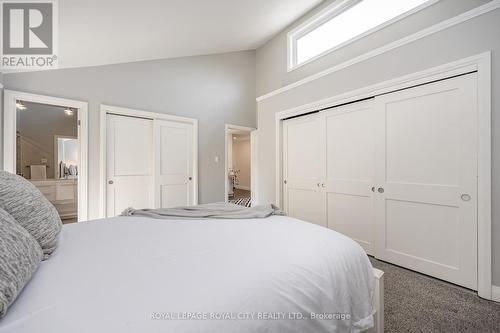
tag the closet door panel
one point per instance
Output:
(352, 215)
(173, 164)
(426, 210)
(350, 171)
(307, 205)
(129, 164)
(303, 169)
(174, 195)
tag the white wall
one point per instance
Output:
(215, 89)
(469, 38)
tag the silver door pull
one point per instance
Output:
(465, 197)
(284, 182)
(190, 178)
(110, 182)
(373, 188)
(318, 184)
(323, 185)
(380, 190)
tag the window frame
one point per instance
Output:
(336, 8)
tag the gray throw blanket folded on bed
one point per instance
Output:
(207, 211)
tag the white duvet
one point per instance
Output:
(132, 274)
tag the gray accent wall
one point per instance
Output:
(469, 38)
(271, 58)
(215, 89)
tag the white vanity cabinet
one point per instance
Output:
(61, 193)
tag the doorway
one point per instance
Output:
(238, 164)
(46, 143)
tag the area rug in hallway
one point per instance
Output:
(247, 202)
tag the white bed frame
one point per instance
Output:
(378, 302)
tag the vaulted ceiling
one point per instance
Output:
(98, 32)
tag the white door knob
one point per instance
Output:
(465, 197)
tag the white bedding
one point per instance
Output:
(132, 274)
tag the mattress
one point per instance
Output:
(132, 274)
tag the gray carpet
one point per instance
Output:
(419, 303)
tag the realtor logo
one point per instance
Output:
(28, 34)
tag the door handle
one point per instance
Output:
(465, 197)
(380, 190)
(373, 188)
(190, 178)
(323, 185)
(318, 184)
(110, 182)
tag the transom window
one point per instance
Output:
(344, 22)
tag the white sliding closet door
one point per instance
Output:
(129, 164)
(304, 168)
(426, 176)
(173, 164)
(350, 163)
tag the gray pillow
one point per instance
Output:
(20, 255)
(30, 209)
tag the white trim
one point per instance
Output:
(9, 145)
(239, 187)
(495, 293)
(254, 166)
(484, 177)
(227, 128)
(329, 13)
(480, 63)
(146, 114)
(486, 8)
(109, 109)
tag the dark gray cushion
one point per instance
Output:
(20, 255)
(30, 209)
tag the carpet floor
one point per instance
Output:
(418, 303)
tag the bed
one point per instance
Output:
(137, 274)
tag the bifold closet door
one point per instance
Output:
(426, 179)
(173, 164)
(304, 168)
(350, 169)
(129, 154)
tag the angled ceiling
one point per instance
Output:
(98, 32)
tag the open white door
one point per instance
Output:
(174, 152)
(129, 145)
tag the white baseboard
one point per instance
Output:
(239, 187)
(495, 293)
